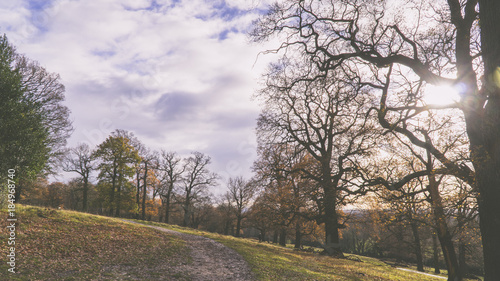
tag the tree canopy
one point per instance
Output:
(34, 125)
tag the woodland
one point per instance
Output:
(378, 135)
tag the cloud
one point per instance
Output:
(178, 107)
(179, 74)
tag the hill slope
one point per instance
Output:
(65, 245)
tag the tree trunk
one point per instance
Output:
(238, 226)
(483, 128)
(185, 221)
(435, 248)
(282, 240)
(138, 193)
(118, 199)
(85, 194)
(418, 246)
(144, 190)
(112, 195)
(354, 243)
(488, 183)
(167, 207)
(461, 259)
(262, 236)
(332, 238)
(275, 237)
(298, 236)
(17, 191)
(194, 221)
(186, 207)
(444, 235)
(227, 225)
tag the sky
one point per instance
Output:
(179, 74)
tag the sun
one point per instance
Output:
(440, 95)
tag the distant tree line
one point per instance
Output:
(132, 180)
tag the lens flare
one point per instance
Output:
(441, 94)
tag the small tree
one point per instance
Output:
(80, 160)
(240, 194)
(148, 161)
(171, 170)
(195, 182)
(117, 158)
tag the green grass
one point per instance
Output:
(65, 245)
(271, 262)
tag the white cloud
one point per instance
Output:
(179, 74)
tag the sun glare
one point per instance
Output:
(441, 94)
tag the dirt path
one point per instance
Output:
(211, 261)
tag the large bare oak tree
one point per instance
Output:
(437, 42)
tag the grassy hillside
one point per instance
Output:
(271, 262)
(64, 245)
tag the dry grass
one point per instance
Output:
(64, 245)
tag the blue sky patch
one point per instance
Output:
(223, 11)
(224, 34)
(104, 53)
(38, 5)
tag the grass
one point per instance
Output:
(65, 245)
(271, 262)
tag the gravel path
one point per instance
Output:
(211, 261)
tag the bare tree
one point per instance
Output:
(288, 196)
(81, 161)
(195, 182)
(327, 118)
(240, 194)
(225, 211)
(46, 93)
(450, 48)
(419, 166)
(171, 168)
